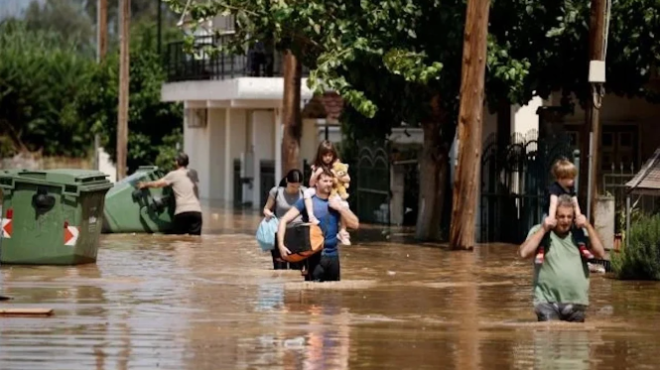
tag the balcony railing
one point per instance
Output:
(182, 66)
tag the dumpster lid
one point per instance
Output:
(58, 176)
(147, 168)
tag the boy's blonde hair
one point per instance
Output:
(564, 169)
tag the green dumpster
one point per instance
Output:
(131, 210)
(51, 217)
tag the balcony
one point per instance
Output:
(181, 66)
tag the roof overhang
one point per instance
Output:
(237, 92)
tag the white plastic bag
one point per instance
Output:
(266, 233)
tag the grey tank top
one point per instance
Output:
(284, 201)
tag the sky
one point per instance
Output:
(9, 8)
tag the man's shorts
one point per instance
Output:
(560, 311)
(188, 223)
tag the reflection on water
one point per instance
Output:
(213, 303)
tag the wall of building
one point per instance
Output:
(196, 145)
(236, 147)
(525, 118)
(216, 139)
(263, 139)
(310, 140)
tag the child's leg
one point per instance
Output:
(343, 235)
(309, 193)
(581, 240)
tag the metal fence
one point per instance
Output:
(207, 63)
(203, 64)
(514, 181)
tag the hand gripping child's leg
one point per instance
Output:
(543, 248)
(581, 241)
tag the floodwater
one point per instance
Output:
(162, 302)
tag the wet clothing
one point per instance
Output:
(284, 201)
(563, 277)
(184, 185)
(188, 223)
(560, 311)
(188, 211)
(322, 268)
(329, 222)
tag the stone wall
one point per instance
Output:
(32, 161)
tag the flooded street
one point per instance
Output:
(163, 302)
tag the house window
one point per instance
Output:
(224, 24)
(196, 117)
(620, 145)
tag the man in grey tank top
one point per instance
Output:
(188, 212)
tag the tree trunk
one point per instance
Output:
(122, 110)
(466, 183)
(291, 115)
(597, 39)
(433, 169)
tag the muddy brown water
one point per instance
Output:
(163, 302)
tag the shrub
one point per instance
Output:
(640, 257)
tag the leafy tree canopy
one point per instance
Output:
(40, 76)
(152, 123)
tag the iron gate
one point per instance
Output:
(373, 184)
(513, 183)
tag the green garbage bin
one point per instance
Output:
(131, 210)
(51, 217)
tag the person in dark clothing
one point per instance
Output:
(323, 266)
(564, 173)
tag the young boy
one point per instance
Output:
(564, 173)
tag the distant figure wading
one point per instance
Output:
(188, 212)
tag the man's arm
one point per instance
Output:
(349, 219)
(554, 199)
(528, 247)
(578, 212)
(594, 241)
(281, 229)
(161, 183)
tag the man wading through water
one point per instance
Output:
(188, 212)
(323, 266)
(561, 283)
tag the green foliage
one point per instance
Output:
(169, 150)
(534, 48)
(640, 257)
(65, 18)
(40, 76)
(151, 122)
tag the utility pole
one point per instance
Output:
(122, 110)
(598, 24)
(101, 51)
(101, 30)
(470, 124)
(291, 115)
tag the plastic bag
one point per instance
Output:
(266, 233)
